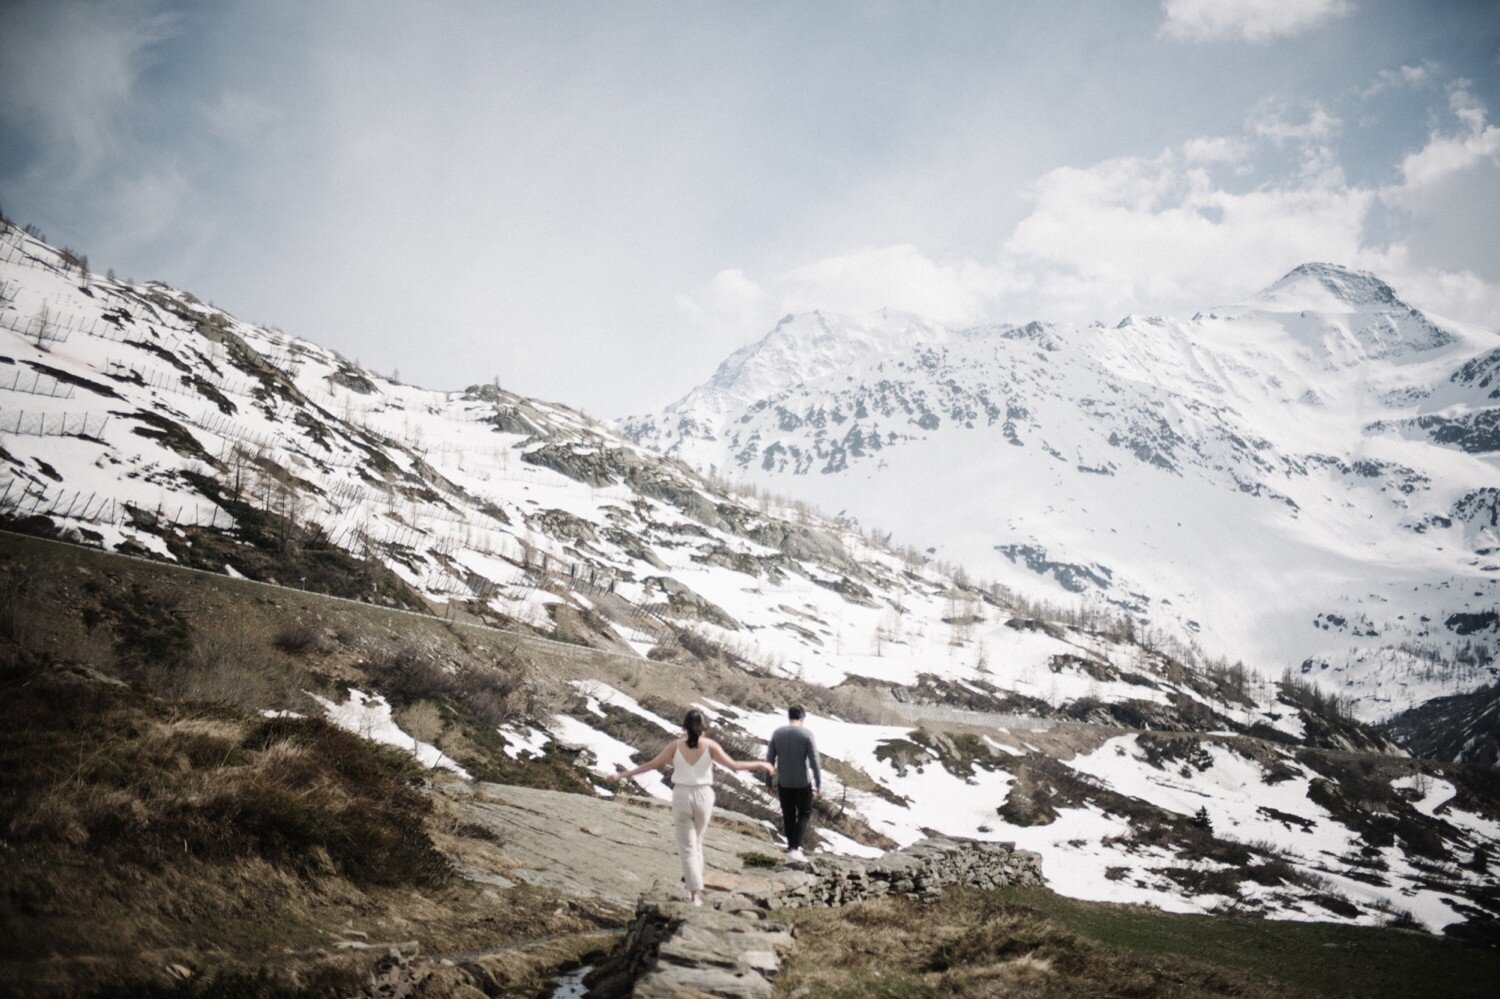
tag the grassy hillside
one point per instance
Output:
(160, 835)
(1034, 942)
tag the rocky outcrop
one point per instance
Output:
(682, 602)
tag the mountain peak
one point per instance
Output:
(1325, 287)
(806, 346)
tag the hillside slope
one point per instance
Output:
(1186, 822)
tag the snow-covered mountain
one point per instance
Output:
(139, 419)
(135, 418)
(1308, 479)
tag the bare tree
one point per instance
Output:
(44, 323)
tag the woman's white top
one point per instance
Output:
(685, 774)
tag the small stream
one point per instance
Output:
(570, 985)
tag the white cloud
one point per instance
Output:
(1174, 231)
(732, 306)
(1169, 233)
(1405, 77)
(68, 70)
(1456, 294)
(1161, 234)
(898, 277)
(236, 116)
(1250, 20)
(1214, 149)
(1274, 120)
(1475, 141)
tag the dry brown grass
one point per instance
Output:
(973, 944)
(139, 833)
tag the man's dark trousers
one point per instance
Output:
(796, 809)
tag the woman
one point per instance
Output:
(692, 759)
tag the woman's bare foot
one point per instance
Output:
(696, 898)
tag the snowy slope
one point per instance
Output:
(1181, 823)
(168, 427)
(1308, 479)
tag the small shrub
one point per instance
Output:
(408, 673)
(229, 665)
(497, 695)
(1029, 802)
(697, 645)
(21, 610)
(751, 858)
(296, 637)
(1402, 919)
(149, 628)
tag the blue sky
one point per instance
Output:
(597, 202)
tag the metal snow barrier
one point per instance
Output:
(90, 508)
(109, 331)
(53, 424)
(37, 384)
(42, 329)
(16, 256)
(154, 378)
(349, 491)
(222, 426)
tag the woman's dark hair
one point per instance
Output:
(693, 723)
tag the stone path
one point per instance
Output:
(612, 849)
(624, 851)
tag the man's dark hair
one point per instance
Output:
(795, 712)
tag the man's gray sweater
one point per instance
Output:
(791, 749)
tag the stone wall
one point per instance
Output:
(923, 869)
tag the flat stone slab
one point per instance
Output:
(692, 983)
(611, 849)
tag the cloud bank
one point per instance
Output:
(558, 193)
(1202, 223)
(1247, 20)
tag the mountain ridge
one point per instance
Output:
(1325, 394)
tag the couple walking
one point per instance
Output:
(790, 755)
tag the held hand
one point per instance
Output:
(615, 777)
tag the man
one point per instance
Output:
(798, 777)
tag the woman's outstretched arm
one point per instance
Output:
(723, 759)
(655, 763)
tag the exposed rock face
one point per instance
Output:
(673, 949)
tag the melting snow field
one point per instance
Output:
(370, 717)
(1087, 853)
